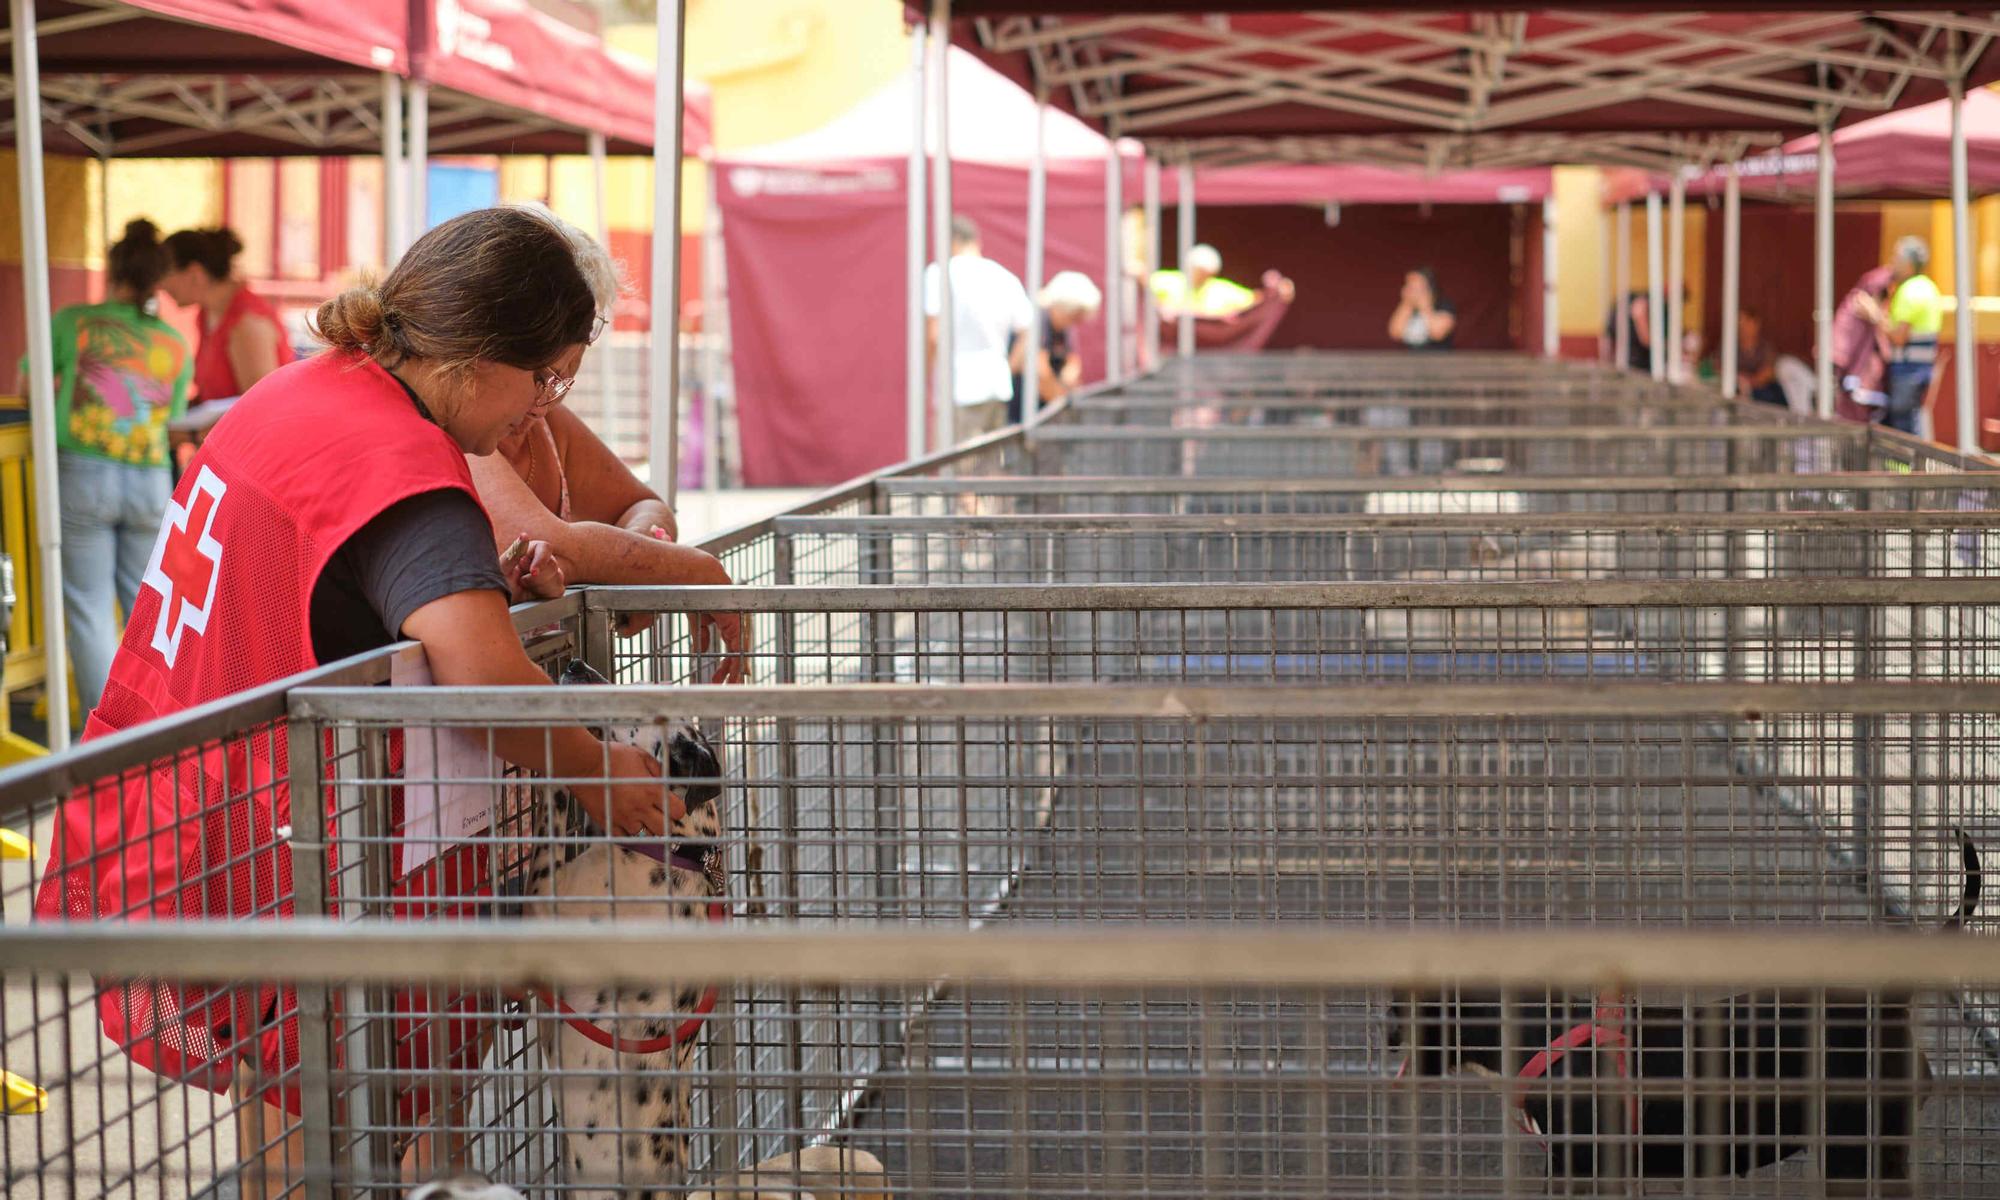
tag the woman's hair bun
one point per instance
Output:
(229, 239)
(352, 320)
(142, 232)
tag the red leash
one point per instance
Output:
(1605, 1030)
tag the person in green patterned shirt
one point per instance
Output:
(121, 374)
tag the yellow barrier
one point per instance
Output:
(25, 666)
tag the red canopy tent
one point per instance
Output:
(527, 83)
(1901, 155)
(809, 228)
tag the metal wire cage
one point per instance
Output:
(1261, 1062)
(1633, 806)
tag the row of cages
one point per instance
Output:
(1641, 811)
(1388, 547)
(1287, 776)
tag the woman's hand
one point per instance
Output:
(634, 800)
(720, 632)
(531, 571)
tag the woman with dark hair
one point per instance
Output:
(1424, 319)
(121, 375)
(330, 513)
(241, 339)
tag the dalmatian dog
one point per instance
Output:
(621, 1084)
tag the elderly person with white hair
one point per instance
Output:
(1068, 299)
(1907, 331)
(1202, 291)
(552, 480)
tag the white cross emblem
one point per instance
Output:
(186, 565)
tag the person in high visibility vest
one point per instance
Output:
(1202, 289)
(1908, 329)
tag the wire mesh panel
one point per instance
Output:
(1821, 630)
(1630, 806)
(1144, 1063)
(1442, 494)
(1202, 549)
(1397, 449)
(1529, 408)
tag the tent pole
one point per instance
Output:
(1732, 275)
(1114, 261)
(41, 368)
(395, 239)
(946, 396)
(1149, 304)
(1551, 320)
(1823, 272)
(664, 363)
(420, 159)
(1186, 248)
(612, 385)
(1966, 351)
(1621, 310)
(1038, 216)
(1656, 292)
(915, 390)
(599, 188)
(1676, 276)
(715, 332)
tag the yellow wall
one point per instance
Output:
(1580, 267)
(779, 68)
(71, 185)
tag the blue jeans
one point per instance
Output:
(1908, 384)
(110, 518)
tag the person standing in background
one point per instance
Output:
(1202, 290)
(1908, 330)
(1423, 319)
(1069, 299)
(121, 374)
(241, 339)
(988, 308)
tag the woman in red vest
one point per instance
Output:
(241, 339)
(330, 513)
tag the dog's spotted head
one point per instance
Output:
(681, 749)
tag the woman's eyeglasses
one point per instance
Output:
(550, 388)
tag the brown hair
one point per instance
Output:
(137, 260)
(494, 285)
(215, 249)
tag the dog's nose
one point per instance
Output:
(689, 756)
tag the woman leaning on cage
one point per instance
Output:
(329, 514)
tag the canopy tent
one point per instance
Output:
(807, 227)
(517, 80)
(1904, 155)
(814, 387)
(1167, 70)
(249, 78)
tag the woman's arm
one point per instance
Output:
(601, 487)
(598, 552)
(1047, 382)
(1440, 324)
(253, 351)
(470, 642)
(1400, 319)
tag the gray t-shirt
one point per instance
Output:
(425, 548)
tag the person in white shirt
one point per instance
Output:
(989, 307)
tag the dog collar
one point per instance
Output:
(708, 866)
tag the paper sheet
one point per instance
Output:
(436, 812)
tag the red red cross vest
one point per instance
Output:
(312, 453)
